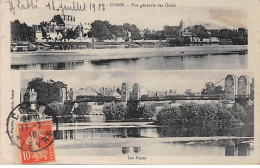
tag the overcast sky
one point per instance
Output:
(153, 18)
(153, 80)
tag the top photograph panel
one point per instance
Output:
(126, 36)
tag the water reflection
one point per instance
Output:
(153, 132)
(50, 66)
(106, 146)
(137, 149)
(127, 140)
(234, 148)
(83, 119)
(239, 131)
(231, 61)
(126, 150)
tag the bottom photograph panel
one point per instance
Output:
(138, 114)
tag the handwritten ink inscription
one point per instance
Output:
(77, 5)
(28, 4)
(52, 5)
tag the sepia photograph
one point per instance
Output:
(129, 82)
(143, 114)
(131, 38)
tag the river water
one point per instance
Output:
(171, 63)
(128, 138)
(130, 59)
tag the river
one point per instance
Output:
(102, 138)
(177, 58)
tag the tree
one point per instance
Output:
(22, 32)
(219, 90)
(208, 115)
(199, 31)
(188, 92)
(211, 89)
(172, 92)
(177, 41)
(104, 30)
(154, 35)
(238, 112)
(114, 111)
(49, 91)
(83, 109)
(252, 89)
(171, 31)
(72, 34)
(58, 109)
(100, 29)
(224, 33)
(117, 31)
(135, 33)
(170, 116)
(40, 87)
(148, 110)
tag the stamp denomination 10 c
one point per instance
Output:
(35, 139)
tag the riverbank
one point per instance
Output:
(137, 141)
(145, 139)
(20, 58)
(85, 125)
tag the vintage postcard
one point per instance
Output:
(129, 82)
(135, 116)
(83, 35)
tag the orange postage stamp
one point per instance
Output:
(36, 142)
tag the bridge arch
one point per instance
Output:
(124, 92)
(230, 87)
(135, 95)
(243, 86)
(63, 95)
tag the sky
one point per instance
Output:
(148, 80)
(152, 18)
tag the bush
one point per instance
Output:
(57, 108)
(250, 113)
(202, 115)
(83, 109)
(238, 113)
(148, 111)
(114, 111)
(170, 116)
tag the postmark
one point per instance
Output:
(29, 127)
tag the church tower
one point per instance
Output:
(182, 25)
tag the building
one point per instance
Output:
(104, 91)
(156, 94)
(186, 33)
(67, 21)
(243, 32)
(54, 29)
(23, 91)
(195, 39)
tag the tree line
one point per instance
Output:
(105, 30)
(201, 115)
(50, 91)
(21, 32)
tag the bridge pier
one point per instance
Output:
(133, 108)
(242, 101)
(237, 90)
